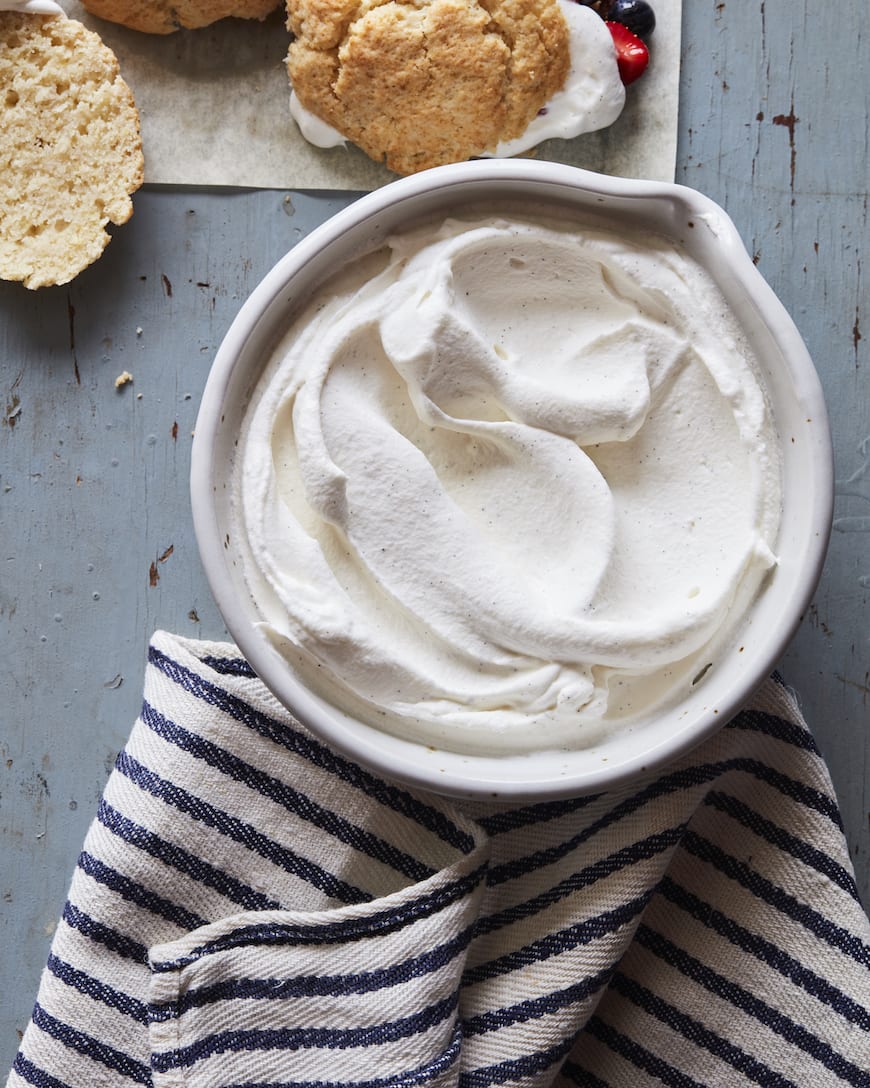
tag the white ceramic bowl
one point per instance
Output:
(795, 395)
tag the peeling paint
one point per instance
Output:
(13, 410)
(789, 121)
(71, 320)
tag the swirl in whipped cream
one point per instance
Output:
(508, 486)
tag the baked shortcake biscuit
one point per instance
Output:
(167, 16)
(419, 83)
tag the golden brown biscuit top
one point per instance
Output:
(166, 16)
(419, 83)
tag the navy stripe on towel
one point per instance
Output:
(638, 1055)
(134, 893)
(686, 778)
(537, 1007)
(291, 799)
(279, 989)
(229, 666)
(393, 797)
(292, 1039)
(782, 839)
(83, 1043)
(413, 1078)
(696, 1032)
(575, 1072)
(105, 935)
(34, 1075)
(99, 991)
(500, 823)
(560, 941)
(760, 886)
(238, 831)
(376, 924)
(537, 1061)
(642, 850)
(792, 733)
(182, 860)
(767, 952)
(750, 1005)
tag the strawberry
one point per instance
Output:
(632, 56)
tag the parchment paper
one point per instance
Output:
(214, 107)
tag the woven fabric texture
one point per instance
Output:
(252, 910)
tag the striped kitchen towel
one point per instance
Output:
(252, 910)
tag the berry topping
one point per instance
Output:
(637, 15)
(632, 56)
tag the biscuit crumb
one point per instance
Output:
(124, 378)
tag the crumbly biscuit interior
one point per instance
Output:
(70, 148)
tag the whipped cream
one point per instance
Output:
(593, 96)
(505, 485)
(313, 128)
(32, 7)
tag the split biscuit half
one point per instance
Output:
(70, 148)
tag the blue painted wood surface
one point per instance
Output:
(97, 542)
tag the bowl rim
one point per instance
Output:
(366, 746)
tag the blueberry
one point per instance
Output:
(637, 15)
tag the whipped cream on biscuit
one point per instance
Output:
(507, 484)
(32, 7)
(592, 98)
